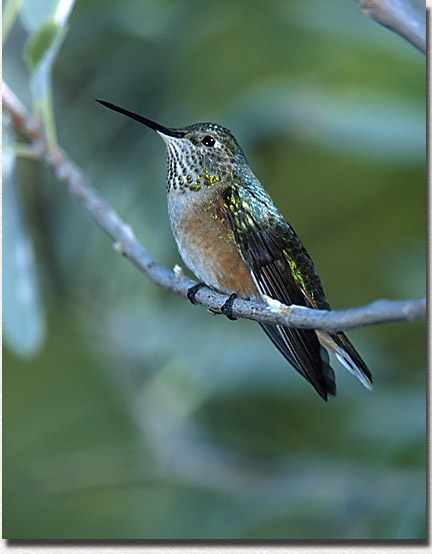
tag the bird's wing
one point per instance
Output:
(277, 261)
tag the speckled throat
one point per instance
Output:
(186, 168)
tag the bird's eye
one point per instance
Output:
(208, 141)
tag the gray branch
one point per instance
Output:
(407, 18)
(125, 242)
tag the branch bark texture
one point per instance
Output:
(125, 242)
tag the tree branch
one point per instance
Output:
(407, 18)
(125, 242)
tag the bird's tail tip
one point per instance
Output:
(351, 359)
(365, 378)
(348, 356)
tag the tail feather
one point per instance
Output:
(348, 356)
(302, 349)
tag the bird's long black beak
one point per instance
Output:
(144, 120)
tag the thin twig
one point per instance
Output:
(407, 18)
(125, 242)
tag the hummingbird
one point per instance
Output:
(232, 237)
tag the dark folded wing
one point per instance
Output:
(264, 248)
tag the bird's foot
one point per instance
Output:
(226, 309)
(191, 293)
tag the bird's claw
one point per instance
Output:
(191, 293)
(226, 309)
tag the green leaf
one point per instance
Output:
(10, 13)
(23, 314)
(41, 52)
(34, 14)
(41, 42)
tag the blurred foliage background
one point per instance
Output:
(129, 413)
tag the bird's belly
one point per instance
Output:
(206, 244)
